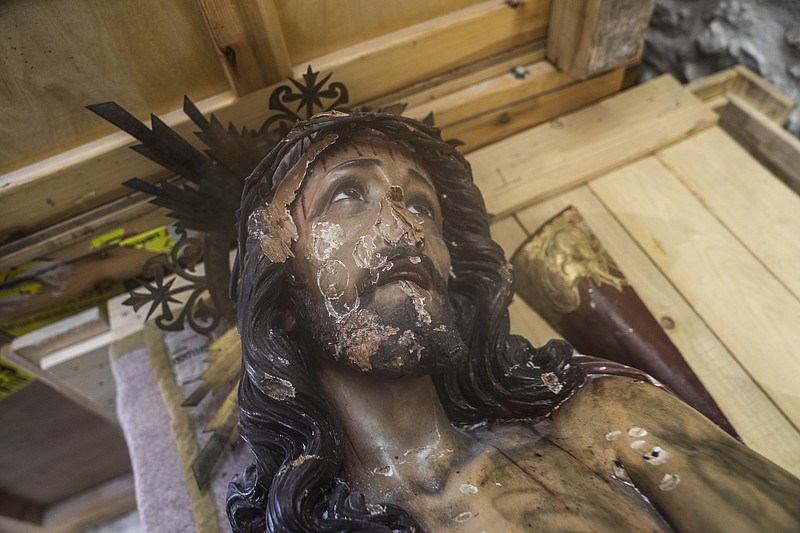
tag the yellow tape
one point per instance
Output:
(12, 379)
(110, 238)
(19, 271)
(156, 240)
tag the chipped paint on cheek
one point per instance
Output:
(365, 253)
(333, 279)
(327, 237)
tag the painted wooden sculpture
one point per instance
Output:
(381, 390)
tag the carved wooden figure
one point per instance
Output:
(381, 390)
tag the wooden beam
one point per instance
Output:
(587, 37)
(522, 169)
(249, 41)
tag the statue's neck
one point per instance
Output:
(398, 437)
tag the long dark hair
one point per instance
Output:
(295, 484)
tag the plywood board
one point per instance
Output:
(735, 294)
(760, 210)
(60, 55)
(570, 150)
(757, 419)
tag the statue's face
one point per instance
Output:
(372, 262)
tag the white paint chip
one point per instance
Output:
(613, 435)
(637, 432)
(466, 488)
(669, 482)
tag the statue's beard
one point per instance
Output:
(418, 336)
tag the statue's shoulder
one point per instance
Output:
(606, 404)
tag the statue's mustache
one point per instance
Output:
(402, 258)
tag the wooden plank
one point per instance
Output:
(509, 234)
(713, 85)
(317, 27)
(373, 68)
(577, 147)
(748, 309)
(461, 77)
(249, 41)
(534, 79)
(761, 424)
(762, 95)
(761, 211)
(44, 193)
(773, 146)
(497, 124)
(61, 56)
(588, 37)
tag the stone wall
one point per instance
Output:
(693, 38)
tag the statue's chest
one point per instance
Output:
(512, 485)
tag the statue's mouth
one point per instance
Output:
(405, 269)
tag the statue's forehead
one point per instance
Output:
(273, 224)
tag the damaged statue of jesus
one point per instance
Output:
(381, 389)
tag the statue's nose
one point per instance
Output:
(396, 222)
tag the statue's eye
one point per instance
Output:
(348, 192)
(421, 209)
